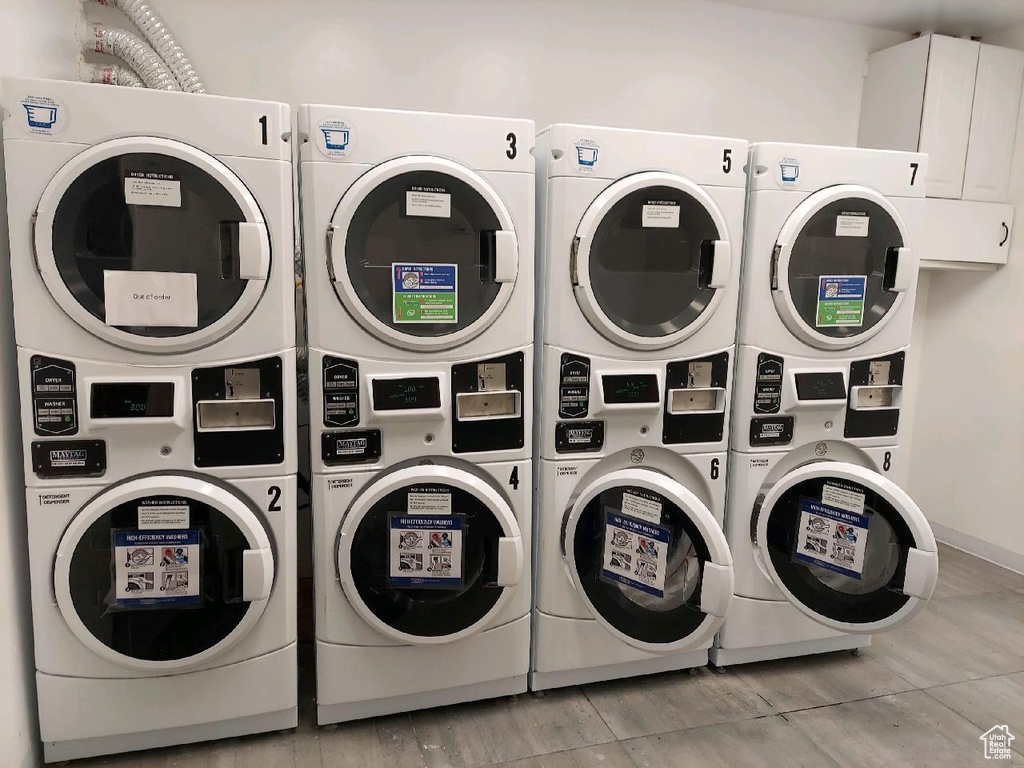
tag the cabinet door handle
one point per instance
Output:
(1006, 235)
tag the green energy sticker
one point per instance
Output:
(841, 300)
(425, 293)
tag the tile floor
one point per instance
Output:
(921, 696)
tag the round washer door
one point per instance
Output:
(423, 252)
(649, 560)
(429, 554)
(163, 572)
(650, 260)
(842, 264)
(147, 216)
(847, 547)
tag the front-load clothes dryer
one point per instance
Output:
(637, 293)
(828, 548)
(151, 258)
(418, 233)
(148, 226)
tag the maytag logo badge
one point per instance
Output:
(75, 457)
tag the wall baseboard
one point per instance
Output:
(986, 550)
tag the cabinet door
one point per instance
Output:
(946, 118)
(993, 123)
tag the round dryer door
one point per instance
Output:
(650, 259)
(429, 554)
(423, 252)
(163, 572)
(842, 266)
(649, 560)
(847, 546)
(152, 245)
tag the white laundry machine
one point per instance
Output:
(418, 233)
(151, 256)
(828, 548)
(637, 292)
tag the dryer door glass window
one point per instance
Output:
(651, 260)
(645, 579)
(439, 230)
(417, 580)
(159, 593)
(840, 548)
(150, 212)
(852, 241)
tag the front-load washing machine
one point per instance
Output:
(637, 289)
(151, 246)
(418, 234)
(828, 548)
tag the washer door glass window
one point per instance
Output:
(849, 554)
(641, 559)
(842, 267)
(421, 253)
(651, 261)
(426, 559)
(159, 578)
(152, 212)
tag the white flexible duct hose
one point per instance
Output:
(142, 15)
(109, 74)
(132, 50)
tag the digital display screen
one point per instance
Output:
(631, 388)
(820, 386)
(132, 400)
(406, 394)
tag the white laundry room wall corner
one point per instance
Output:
(35, 40)
(967, 451)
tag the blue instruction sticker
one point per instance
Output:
(841, 300)
(426, 551)
(425, 293)
(156, 569)
(635, 553)
(832, 538)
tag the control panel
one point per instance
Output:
(54, 396)
(341, 392)
(574, 387)
(768, 387)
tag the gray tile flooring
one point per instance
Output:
(921, 696)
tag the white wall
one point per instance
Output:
(967, 469)
(34, 40)
(683, 65)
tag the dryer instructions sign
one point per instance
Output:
(841, 300)
(425, 293)
(425, 551)
(156, 569)
(833, 533)
(635, 553)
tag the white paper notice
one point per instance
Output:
(150, 188)
(843, 498)
(661, 215)
(849, 225)
(160, 299)
(432, 202)
(430, 503)
(638, 506)
(163, 515)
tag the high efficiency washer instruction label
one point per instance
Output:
(425, 293)
(635, 553)
(425, 551)
(156, 569)
(841, 300)
(833, 533)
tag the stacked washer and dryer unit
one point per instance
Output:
(418, 234)
(638, 286)
(151, 257)
(828, 547)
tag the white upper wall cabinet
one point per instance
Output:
(955, 99)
